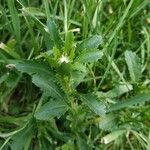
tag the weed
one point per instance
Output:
(74, 75)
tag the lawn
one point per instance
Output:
(74, 75)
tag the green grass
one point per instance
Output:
(74, 75)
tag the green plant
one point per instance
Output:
(69, 90)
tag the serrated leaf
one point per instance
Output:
(94, 104)
(138, 99)
(68, 42)
(90, 43)
(89, 56)
(54, 33)
(53, 108)
(65, 68)
(79, 66)
(42, 77)
(81, 143)
(77, 77)
(133, 64)
(32, 67)
(107, 122)
(48, 86)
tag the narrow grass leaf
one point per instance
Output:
(15, 19)
(138, 8)
(47, 10)
(43, 28)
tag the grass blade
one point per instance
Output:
(15, 19)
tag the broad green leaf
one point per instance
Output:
(42, 76)
(67, 146)
(81, 143)
(89, 56)
(77, 77)
(133, 64)
(108, 122)
(69, 42)
(65, 68)
(54, 33)
(47, 39)
(48, 86)
(22, 139)
(90, 43)
(32, 67)
(53, 108)
(138, 99)
(79, 66)
(94, 104)
(112, 136)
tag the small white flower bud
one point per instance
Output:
(10, 66)
(64, 59)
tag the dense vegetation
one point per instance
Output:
(75, 74)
